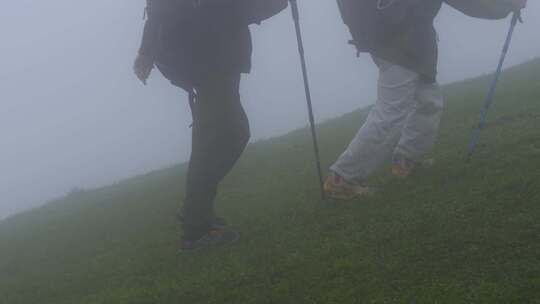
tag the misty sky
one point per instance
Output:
(73, 115)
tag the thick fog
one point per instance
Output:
(73, 115)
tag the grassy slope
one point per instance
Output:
(457, 233)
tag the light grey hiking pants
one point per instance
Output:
(404, 121)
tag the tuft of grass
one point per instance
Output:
(460, 232)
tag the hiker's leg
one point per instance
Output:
(379, 134)
(421, 128)
(220, 134)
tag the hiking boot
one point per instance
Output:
(215, 221)
(404, 167)
(216, 236)
(218, 223)
(336, 187)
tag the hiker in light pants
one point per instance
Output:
(404, 122)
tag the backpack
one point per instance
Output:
(372, 22)
(241, 12)
(169, 11)
(202, 24)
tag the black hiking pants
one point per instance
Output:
(220, 135)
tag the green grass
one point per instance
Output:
(456, 233)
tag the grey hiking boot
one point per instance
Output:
(215, 221)
(216, 236)
(218, 223)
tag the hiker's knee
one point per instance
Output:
(430, 99)
(244, 133)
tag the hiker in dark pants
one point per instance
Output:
(404, 122)
(203, 46)
(220, 134)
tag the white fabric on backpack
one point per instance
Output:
(487, 9)
(404, 121)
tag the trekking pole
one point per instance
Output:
(296, 18)
(491, 93)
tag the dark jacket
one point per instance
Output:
(404, 33)
(189, 41)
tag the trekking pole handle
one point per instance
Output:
(296, 17)
(294, 8)
(516, 17)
